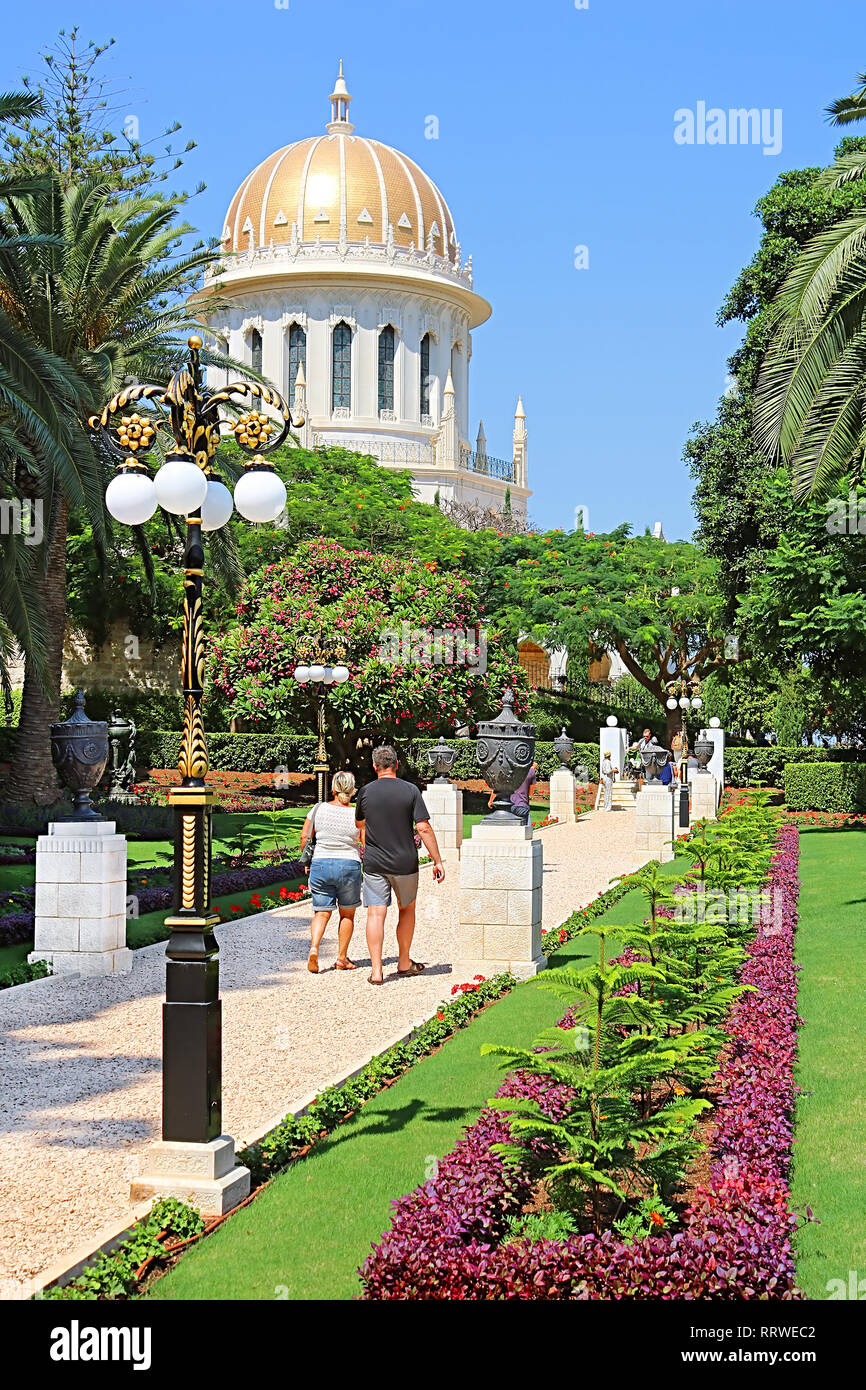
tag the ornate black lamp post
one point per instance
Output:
(687, 699)
(186, 486)
(505, 750)
(321, 676)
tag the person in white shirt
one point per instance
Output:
(335, 869)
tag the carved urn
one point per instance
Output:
(120, 776)
(505, 750)
(703, 750)
(79, 751)
(564, 747)
(441, 759)
(654, 759)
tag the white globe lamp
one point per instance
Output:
(180, 485)
(671, 703)
(611, 721)
(715, 723)
(217, 506)
(317, 672)
(697, 702)
(260, 495)
(302, 674)
(328, 677)
(684, 702)
(131, 497)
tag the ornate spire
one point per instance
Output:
(339, 123)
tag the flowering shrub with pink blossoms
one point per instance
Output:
(446, 1238)
(349, 599)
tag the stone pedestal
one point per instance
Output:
(654, 827)
(704, 796)
(80, 925)
(444, 801)
(202, 1175)
(562, 794)
(716, 765)
(500, 903)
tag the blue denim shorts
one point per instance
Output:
(335, 883)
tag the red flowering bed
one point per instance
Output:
(735, 1242)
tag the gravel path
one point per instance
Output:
(81, 1060)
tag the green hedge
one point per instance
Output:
(141, 821)
(825, 786)
(297, 752)
(750, 764)
(232, 752)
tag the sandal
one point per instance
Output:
(371, 981)
(343, 963)
(415, 968)
(313, 962)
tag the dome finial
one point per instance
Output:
(339, 123)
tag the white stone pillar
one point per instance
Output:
(562, 796)
(444, 801)
(615, 739)
(80, 925)
(500, 903)
(655, 824)
(704, 796)
(716, 765)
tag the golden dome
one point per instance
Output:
(340, 187)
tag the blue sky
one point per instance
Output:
(556, 130)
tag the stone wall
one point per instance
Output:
(124, 663)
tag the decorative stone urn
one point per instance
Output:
(505, 750)
(703, 750)
(79, 751)
(654, 758)
(441, 759)
(121, 759)
(564, 747)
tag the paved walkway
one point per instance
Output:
(80, 1061)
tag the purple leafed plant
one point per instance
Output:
(735, 1241)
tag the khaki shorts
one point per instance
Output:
(377, 889)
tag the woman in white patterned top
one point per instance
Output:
(335, 869)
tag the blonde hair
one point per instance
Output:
(343, 786)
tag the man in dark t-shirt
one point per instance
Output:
(389, 811)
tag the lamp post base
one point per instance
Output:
(204, 1176)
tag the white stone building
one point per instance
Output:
(348, 288)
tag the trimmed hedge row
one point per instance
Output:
(141, 821)
(297, 752)
(825, 787)
(232, 752)
(750, 764)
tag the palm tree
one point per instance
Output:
(94, 287)
(810, 398)
(36, 391)
(846, 109)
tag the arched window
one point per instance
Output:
(297, 356)
(425, 374)
(386, 368)
(341, 368)
(256, 350)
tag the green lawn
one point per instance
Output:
(311, 1228)
(830, 1140)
